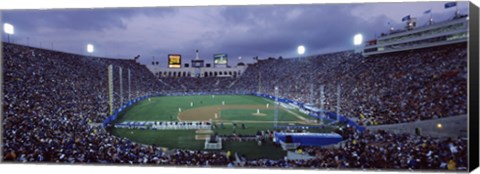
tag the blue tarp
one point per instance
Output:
(309, 139)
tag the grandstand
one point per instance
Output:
(46, 107)
(438, 74)
(55, 104)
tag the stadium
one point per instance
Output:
(385, 105)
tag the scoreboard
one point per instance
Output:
(220, 59)
(174, 61)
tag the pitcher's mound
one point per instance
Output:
(259, 114)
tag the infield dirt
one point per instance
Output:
(208, 112)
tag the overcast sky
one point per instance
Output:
(239, 31)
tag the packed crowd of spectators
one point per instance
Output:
(375, 150)
(52, 98)
(390, 88)
(194, 84)
(52, 101)
(382, 149)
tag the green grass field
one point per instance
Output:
(246, 114)
(162, 108)
(167, 109)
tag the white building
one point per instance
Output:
(199, 72)
(198, 68)
(436, 34)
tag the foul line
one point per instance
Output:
(296, 115)
(289, 111)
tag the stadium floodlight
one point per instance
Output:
(90, 48)
(301, 49)
(358, 39)
(9, 29)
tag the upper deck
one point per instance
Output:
(443, 33)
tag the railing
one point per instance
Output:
(289, 146)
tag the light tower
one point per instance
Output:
(338, 102)
(275, 112)
(322, 104)
(120, 72)
(9, 30)
(90, 48)
(357, 42)
(129, 83)
(301, 50)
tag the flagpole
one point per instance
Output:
(456, 5)
(431, 17)
(456, 12)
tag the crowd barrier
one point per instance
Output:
(164, 125)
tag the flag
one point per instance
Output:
(406, 18)
(450, 4)
(428, 11)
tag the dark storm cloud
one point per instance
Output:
(77, 19)
(276, 29)
(247, 31)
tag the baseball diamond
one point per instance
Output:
(232, 111)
